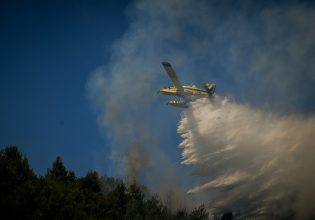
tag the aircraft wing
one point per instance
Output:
(171, 73)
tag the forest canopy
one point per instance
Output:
(60, 194)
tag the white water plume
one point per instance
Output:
(252, 160)
(261, 51)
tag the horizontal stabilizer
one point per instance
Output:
(210, 87)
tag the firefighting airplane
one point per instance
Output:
(184, 94)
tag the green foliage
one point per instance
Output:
(182, 214)
(199, 213)
(91, 182)
(135, 207)
(108, 184)
(227, 216)
(60, 195)
(58, 200)
(17, 185)
(59, 172)
(154, 208)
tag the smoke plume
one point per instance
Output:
(261, 162)
(260, 53)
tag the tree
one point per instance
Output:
(181, 214)
(91, 182)
(17, 185)
(135, 207)
(199, 213)
(154, 208)
(58, 200)
(227, 216)
(117, 202)
(60, 195)
(59, 172)
(108, 184)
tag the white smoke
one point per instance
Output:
(261, 52)
(263, 163)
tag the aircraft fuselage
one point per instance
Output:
(188, 90)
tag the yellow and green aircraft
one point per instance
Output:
(184, 94)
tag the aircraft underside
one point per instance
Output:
(178, 103)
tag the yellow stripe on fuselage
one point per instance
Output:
(188, 90)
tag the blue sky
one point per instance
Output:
(260, 53)
(48, 50)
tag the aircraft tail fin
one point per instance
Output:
(210, 87)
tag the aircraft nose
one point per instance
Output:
(160, 91)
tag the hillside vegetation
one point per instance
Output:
(59, 194)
